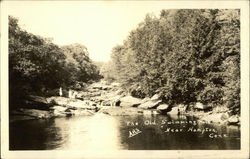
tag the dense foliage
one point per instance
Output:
(36, 65)
(184, 55)
(78, 65)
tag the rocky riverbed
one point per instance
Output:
(109, 99)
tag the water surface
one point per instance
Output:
(137, 132)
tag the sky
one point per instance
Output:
(99, 25)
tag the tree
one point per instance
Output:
(36, 65)
(184, 55)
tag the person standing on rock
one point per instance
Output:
(60, 91)
(70, 93)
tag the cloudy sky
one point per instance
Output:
(98, 25)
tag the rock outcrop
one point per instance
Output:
(151, 104)
(233, 120)
(130, 101)
(174, 111)
(155, 97)
(163, 108)
(36, 102)
(70, 103)
(99, 97)
(34, 113)
(216, 118)
(119, 111)
(200, 106)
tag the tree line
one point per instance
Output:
(38, 66)
(184, 55)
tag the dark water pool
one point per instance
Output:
(138, 132)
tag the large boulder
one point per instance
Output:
(150, 112)
(106, 87)
(36, 102)
(116, 97)
(82, 95)
(59, 111)
(38, 114)
(216, 118)
(146, 99)
(201, 106)
(70, 103)
(92, 94)
(56, 100)
(77, 112)
(108, 98)
(220, 109)
(59, 108)
(163, 107)
(233, 120)
(155, 97)
(119, 92)
(115, 84)
(177, 110)
(99, 99)
(130, 101)
(174, 111)
(77, 104)
(96, 86)
(82, 112)
(151, 104)
(100, 86)
(115, 101)
(118, 111)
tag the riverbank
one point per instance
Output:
(110, 99)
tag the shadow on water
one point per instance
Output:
(138, 132)
(181, 133)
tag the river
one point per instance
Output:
(135, 132)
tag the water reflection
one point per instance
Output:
(103, 132)
(99, 132)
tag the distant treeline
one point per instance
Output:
(36, 65)
(184, 55)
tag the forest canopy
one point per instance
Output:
(186, 56)
(37, 65)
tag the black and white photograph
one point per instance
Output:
(121, 77)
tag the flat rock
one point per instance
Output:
(119, 92)
(58, 100)
(59, 108)
(120, 111)
(77, 104)
(150, 112)
(100, 86)
(33, 113)
(79, 112)
(217, 117)
(163, 107)
(36, 102)
(144, 100)
(201, 106)
(70, 103)
(115, 84)
(220, 109)
(155, 97)
(150, 104)
(130, 101)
